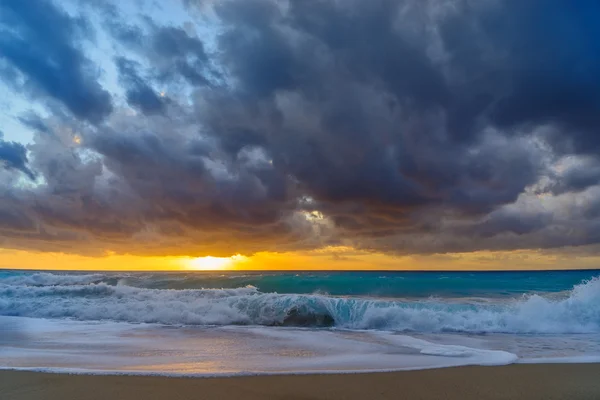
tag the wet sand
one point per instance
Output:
(526, 382)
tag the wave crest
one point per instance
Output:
(578, 311)
(50, 279)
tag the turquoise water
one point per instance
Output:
(392, 284)
(371, 284)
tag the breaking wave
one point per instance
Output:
(93, 298)
(49, 279)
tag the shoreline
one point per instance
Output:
(578, 360)
(515, 381)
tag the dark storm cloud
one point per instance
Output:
(150, 191)
(176, 177)
(381, 111)
(377, 130)
(574, 175)
(548, 55)
(510, 221)
(41, 41)
(13, 156)
(139, 93)
(173, 53)
(15, 220)
(401, 126)
(185, 53)
(33, 122)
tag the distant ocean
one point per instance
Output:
(235, 322)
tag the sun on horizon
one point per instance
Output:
(210, 263)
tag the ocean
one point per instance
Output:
(228, 323)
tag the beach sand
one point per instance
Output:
(527, 382)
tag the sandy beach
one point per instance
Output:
(527, 382)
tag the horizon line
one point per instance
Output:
(302, 270)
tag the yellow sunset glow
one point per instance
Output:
(330, 258)
(213, 263)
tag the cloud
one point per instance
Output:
(542, 65)
(13, 156)
(174, 53)
(42, 43)
(139, 93)
(185, 53)
(397, 126)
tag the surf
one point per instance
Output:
(97, 297)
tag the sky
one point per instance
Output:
(299, 134)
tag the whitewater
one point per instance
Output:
(233, 323)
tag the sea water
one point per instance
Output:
(240, 323)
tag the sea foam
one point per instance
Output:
(95, 297)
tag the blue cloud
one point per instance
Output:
(13, 156)
(139, 93)
(40, 41)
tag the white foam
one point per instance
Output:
(578, 311)
(562, 360)
(73, 346)
(51, 279)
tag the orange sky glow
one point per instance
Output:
(334, 258)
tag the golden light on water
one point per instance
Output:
(213, 263)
